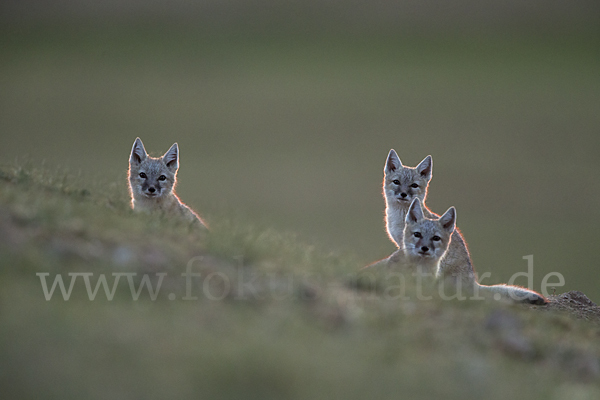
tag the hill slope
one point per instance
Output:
(267, 317)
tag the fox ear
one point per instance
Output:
(393, 162)
(448, 220)
(171, 157)
(415, 212)
(425, 166)
(138, 153)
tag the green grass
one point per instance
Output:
(292, 131)
(318, 337)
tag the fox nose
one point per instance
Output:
(403, 194)
(424, 249)
(151, 189)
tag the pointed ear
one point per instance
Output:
(425, 167)
(393, 162)
(171, 157)
(138, 152)
(448, 220)
(415, 212)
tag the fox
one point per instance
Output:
(152, 182)
(401, 187)
(426, 240)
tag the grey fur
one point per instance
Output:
(455, 265)
(152, 183)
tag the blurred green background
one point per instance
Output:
(284, 113)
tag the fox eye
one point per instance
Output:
(436, 238)
(417, 235)
(143, 175)
(396, 182)
(162, 178)
(414, 185)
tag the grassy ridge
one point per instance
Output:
(292, 323)
(293, 130)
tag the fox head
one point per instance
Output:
(401, 185)
(424, 238)
(150, 177)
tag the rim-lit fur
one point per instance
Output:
(401, 185)
(455, 266)
(152, 182)
(426, 240)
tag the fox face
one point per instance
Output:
(401, 185)
(150, 177)
(424, 238)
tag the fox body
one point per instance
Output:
(152, 183)
(401, 186)
(426, 240)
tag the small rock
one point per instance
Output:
(122, 256)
